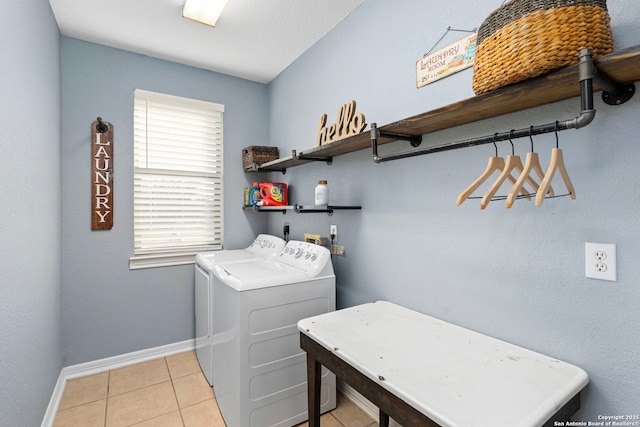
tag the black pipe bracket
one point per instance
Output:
(303, 156)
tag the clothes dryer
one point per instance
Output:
(259, 369)
(264, 246)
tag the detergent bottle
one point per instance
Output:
(273, 193)
(254, 194)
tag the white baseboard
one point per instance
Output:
(54, 402)
(362, 402)
(102, 365)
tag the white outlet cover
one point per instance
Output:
(594, 261)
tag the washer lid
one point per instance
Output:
(243, 276)
(208, 260)
(264, 246)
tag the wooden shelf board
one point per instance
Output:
(622, 67)
(282, 163)
(343, 146)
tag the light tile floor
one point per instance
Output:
(166, 392)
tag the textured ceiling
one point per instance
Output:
(253, 39)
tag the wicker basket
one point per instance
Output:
(527, 38)
(255, 155)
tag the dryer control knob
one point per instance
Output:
(314, 256)
(298, 253)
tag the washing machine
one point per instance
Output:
(259, 370)
(264, 246)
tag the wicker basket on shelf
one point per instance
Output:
(527, 38)
(255, 155)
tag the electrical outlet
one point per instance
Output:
(334, 232)
(601, 267)
(600, 255)
(337, 250)
(600, 261)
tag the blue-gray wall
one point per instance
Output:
(30, 238)
(107, 308)
(516, 274)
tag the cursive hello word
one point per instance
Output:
(349, 123)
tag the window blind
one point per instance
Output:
(177, 174)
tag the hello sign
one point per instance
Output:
(349, 123)
(101, 175)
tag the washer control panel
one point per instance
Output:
(266, 244)
(307, 256)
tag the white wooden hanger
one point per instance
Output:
(556, 163)
(531, 164)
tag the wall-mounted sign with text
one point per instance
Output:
(349, 123)
(101, 176)
(446, 61)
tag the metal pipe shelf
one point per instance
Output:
(622, 67)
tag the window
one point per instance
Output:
(177, 152)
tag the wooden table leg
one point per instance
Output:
(383, 419)
(314, 381)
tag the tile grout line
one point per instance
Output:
(175, 394)
(106, 404)
(337, 420)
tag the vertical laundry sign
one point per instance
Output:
(101, 175)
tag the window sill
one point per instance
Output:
(138, 262)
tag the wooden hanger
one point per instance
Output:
(513, 163)
(495, 164)
(556, 163)
(531, 164)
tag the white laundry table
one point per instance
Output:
(422, 371)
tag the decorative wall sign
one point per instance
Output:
(446, 61)
(101, 175)
(349, 123)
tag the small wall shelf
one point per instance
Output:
(329, 209)
(622, 67)
(301, 209)
(282, 209)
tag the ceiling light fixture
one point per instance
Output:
(204, 11)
